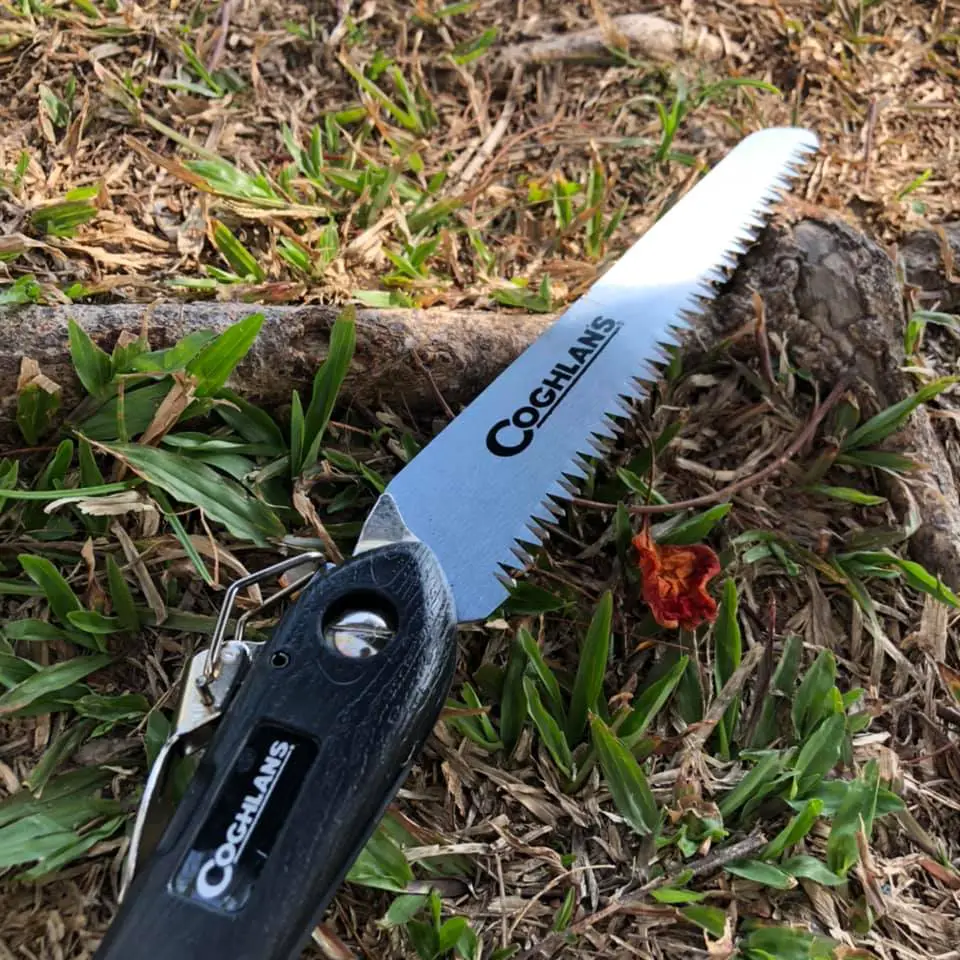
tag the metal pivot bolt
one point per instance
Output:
(359, 634)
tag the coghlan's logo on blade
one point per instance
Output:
(513, 434)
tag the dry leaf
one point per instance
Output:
(179, 397)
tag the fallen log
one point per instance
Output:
(402, 357)
(644, 35)
(835, 298)
(831, 294)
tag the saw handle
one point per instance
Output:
(304, 763)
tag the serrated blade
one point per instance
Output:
(476, 493)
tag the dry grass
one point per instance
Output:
(89, 99)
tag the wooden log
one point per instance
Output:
(644, 35)
(835, 298)
(403, 357)
(832, 295)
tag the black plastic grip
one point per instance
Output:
(309, 754)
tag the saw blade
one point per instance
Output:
(480, 491)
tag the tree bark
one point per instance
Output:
(835, 298)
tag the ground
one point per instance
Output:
(394, 154)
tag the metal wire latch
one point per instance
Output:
(213, 677)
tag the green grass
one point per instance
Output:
(225, 468)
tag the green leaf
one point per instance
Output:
(212, 366)
(54, 473)
(121, 598)
(711, 919)
(451, 933)
(67, 800)
(73, 850)
(588, 686)
(513, 703)
(760, 872)
(403, 909)
(91, 621)
(797, 828)
(328, 381)
(693, 529)
(423, 936)
(63, 601)
(808, 705)
(675, 895)
(125, 706)
(548, 728)
(50, 680)
(889, 462)
(650, 702)
(728, 652)
(9, 473)
(565, 914)
(810, 868)
(483, 720)
(857, 811)
(297, 433)
(91, 476)
(625, 779)
(14, 670)
(176, 357)
(886, 422)
(543, 673)
(918, 322)
(470, 50)
(848, 495)
(64, 745)
(37, 404)
(61, 219)
(381, 865)
(820, 753)
(92, 364)
(639, 486)
(241, 261)
(250, 422)
(916, 575)
(763, 774)
(33, 630)
(785, 943)
(127, 416)
(125, 353)
(180, 532)
(784, 679)
(197, 484)
(23, 290)
(526, 599)
(157, 731)
(689, 696)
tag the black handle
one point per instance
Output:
(297, 777)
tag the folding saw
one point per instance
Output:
(304, 739)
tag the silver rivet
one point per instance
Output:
(359, 634)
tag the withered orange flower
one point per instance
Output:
(675, 581)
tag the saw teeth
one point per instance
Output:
(537, 528)
(615, 424)
(582, 463)
(522, 556)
